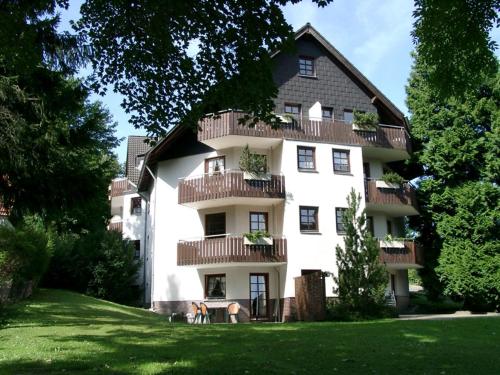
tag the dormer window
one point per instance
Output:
(306, 66)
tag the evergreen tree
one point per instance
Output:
(457, 143)
(361, 279)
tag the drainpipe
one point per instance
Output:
(279, 294)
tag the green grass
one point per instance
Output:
(63, 332)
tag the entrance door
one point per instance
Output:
(259, 296)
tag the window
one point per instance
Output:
(258, 221)
(348, 116)
(293, 109)
(339, 215)
(308, 218)
(389, 227)
(341, 161)
(215, 165)
(137, 249)
(327, 112)
(215, 224)
(366, 170)
(306, 66)
(135, 206)
(306, 158)
(369, 225)
(215, 286)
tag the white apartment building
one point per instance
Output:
(200, 206)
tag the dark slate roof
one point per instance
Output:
(136, 148)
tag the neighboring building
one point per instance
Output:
(200, 204)
(127, 206)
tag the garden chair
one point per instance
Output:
(232, 310)
(197, 313)
(205, 316)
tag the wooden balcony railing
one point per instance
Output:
(120, 187)
(226, 123)
(229, 249)
(405, 195)
(229, 184)
(118, 226)
(411, 253)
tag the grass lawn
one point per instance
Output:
(63, 332)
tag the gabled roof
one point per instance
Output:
(136, 147)
(181, 132)
(376, 94)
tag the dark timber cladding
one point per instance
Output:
(411, 253)
(229, 249)
(406, 195)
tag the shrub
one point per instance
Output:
(25, 252)
(392, 178)
(252, 163)
(366, 119)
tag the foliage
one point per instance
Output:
(453, 40)
(55, 147)
(457, 153)
(202, 63)
(59, 332)
(366, 120)
(100, 264)
(392, 178)
(423, 305)
(252, 163)
(25, 251)
(361, 279)
(413, 277)
(256, 235)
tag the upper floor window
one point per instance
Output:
(306, 158)
(327, 112)
(135, 206)
(215, 224)
(339, 215)
(348, 116)
(308, 218)
(215, 165)
(293, 109)
(341, 161)
(306, 66)
(258, 221)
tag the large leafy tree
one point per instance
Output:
(361, 279)
(145, 50)
(458, 143)
(453, 40)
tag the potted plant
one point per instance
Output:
(254, 166)
(258, 237)
(392, 242)
(390, 180)
(365, 121)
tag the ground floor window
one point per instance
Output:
(259, 297)
(215, 286)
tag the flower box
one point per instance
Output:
(268, 241)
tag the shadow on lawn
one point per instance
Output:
(139, 342)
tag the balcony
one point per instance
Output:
(230, 187)
(401, 201)
(401, 254)
(214, 252)
(117, 226)
(222, 130)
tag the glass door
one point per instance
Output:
(259, 295)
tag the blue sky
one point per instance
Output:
(374, 35)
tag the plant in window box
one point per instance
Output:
(258, 237)
(390, 180)
(365, 121)
(254, 166)
(392, 242)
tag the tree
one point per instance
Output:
(55, 147)
(457, 152)
(144, 49)
(361, 279)
(453, 40)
